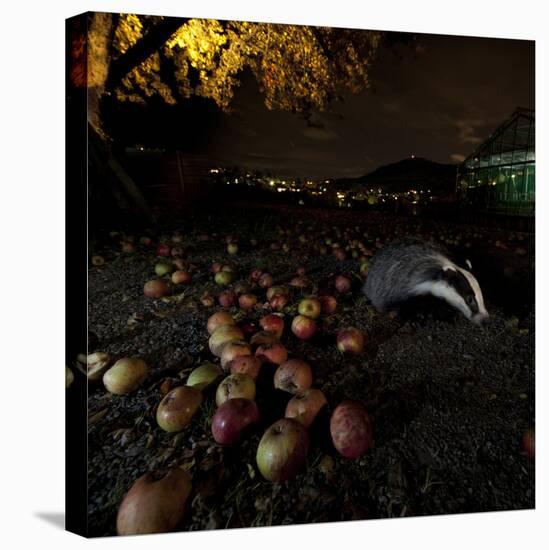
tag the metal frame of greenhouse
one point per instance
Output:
(499, 176)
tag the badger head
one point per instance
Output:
(459, 288)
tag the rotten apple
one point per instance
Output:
(351, 429)
(233, 419)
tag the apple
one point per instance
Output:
(242, 287)
(305, 405)
(233, 419)
(339, 253)
(178, 407)
(232, 349)
(247, 301)
(328, 304)
(342, 284)
(154, 506)
(364, 268)
(227, 268)
(232, 248)
(219, 318)
(204, 376)
(180, 264)
(266, 280)
(181, 278)
(216, 267)
(96, 365)
(255, 274)
(283, 449)
(245, 364)
(97, 260)
(163, 268)
(145, 241)
(351, 429)
(303, 327)
(227, 298)
(350, 340)
(299, 282)
(163, 250)
(276, 290)
(310, 307)
(529, 442)
(293, 376)
(235, 385)
(156, 288)
(125, 376)
(223, 278)
(274, 353)
(278, 302)
(221, 335)
(272, 323)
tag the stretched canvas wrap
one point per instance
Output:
(309, 261)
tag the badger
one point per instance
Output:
(410, 268)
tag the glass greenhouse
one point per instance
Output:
(500, 175)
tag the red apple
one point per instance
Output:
(293, 376)
(273, 323)
(266, 280)
(235, 385)
(278, 302)
(218, 319)
(154, 506)
(178, 407)
(350, 340)
(303, 327)
(274, 353)
(310, 307)
(328, 304)
(282, 450)
(247, 301)
(181, 278)
(156, 288)
(255, 274)
(216, 267)
(232, 349)
(351, 429)
(305, 406)
(245, 364)
(233, 419)
(163, 249)
(227, 298)
(342, 284)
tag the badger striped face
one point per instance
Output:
(460, 289)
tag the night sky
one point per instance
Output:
(437, 98)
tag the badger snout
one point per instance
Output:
(480, 318)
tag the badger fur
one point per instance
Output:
(409, 268)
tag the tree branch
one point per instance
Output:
(149, 44)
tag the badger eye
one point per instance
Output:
(470, 300)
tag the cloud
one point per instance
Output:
(457, 157)
(467, 129)
(320, 134)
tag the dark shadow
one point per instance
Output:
(57, 519)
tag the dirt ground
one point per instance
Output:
(449, 400)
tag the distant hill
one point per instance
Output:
(412, 173)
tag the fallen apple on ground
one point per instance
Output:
(204, 376)
(156, 288)
(178, 407)
(305, 406)
(221, 335)
(283, 449)
(310, 307)
(219, 318)
(235, 385)
(233, 419)
(154, 506)
(245, 364)
(351, 429)
(272, 323)
(303, 327)
(274, 353)
(125, 376)
(293, 376)
(350, 340)
(233, 349)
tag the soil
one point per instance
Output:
(449, 400)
